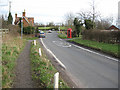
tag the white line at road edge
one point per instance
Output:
(53, 54)
(96, 53)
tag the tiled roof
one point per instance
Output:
(113, 26)
(28, 20)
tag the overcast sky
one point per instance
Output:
(45, 11)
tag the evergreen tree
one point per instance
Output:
(89, 24)
(20, 22)
(10, 18)
(77, 24)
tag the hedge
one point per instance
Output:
(102, 36)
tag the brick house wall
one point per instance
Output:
(27, 21)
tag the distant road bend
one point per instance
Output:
(89, 69)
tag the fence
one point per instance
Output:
(4, 31)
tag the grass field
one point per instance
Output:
(61, 28)
(42, 69)
(43, 28)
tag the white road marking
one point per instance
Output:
(61, 44)
(53, 54)
(96, 53)
(90, 52)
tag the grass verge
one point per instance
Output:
(30, 37)
(108, 48)
(11, 48)
(42, 69)
(62, 35)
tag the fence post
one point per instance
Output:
(40, 53)
(56, 81)
(35, 42)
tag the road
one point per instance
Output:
(88, 69)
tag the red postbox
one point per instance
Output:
(69, 33)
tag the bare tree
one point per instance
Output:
(69, 17)
(0, 22)
(4, 22)
(83, 15)
(104, 23)
(90, 15)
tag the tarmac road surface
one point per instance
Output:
(89, 69)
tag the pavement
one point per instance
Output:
(88, 69)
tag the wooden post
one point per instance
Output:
(56, 81)
(40, 53)
(35, 42)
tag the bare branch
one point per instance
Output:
(69, 18)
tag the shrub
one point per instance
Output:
(74, 34)
(28, 30)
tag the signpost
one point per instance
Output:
(59, 28)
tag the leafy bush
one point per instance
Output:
(74, 34)
(89, 24)
(28, 30)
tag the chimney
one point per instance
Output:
(24, 13)
(16, 16)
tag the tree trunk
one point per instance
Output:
(78, 34)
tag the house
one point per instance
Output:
(27, 21)
(113, 27)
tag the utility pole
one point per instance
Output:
(92, 4)
(93, 13)
(59, 26)
(118, 21)
(21, 28)
(9, 6)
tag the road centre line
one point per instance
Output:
(53, 54)
(96, 53)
